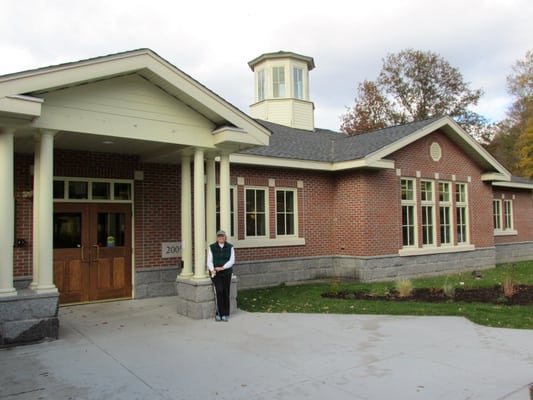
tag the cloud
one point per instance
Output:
(212, 41)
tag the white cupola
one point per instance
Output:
(282, 89)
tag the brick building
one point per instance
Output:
(123, 167)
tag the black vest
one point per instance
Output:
(221, 256)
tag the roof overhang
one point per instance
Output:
(282, 54)
(513, 185)
(279, 162)
(494, 170)
(19, 93)
(20, 107)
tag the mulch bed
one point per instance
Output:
(523, 295)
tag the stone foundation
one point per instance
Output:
(363, 269)
(196, 298)
(156, 282)
(28, 317)
(514, 252)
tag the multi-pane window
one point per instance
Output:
(408, 212)
(461, 207)
(285, 212)
(278, 81)
(497, 214)
(298, 83)
(255, 212)
(445, 213)
(260, 85)
(232, 211)
(81, 189)
(423, 218)
(428, 200)
(508, 214)
(503, 215)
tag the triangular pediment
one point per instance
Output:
(132, 95)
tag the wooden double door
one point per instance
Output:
(92, 251)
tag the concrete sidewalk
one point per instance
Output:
(141, 349)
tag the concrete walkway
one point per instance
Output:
(141, 349)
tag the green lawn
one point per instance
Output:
(306, 298)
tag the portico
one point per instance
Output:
(133, 104)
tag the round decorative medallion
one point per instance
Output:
(435, 151)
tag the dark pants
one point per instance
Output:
(222, 284)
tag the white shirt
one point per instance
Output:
(228, 264)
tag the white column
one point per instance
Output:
(186, 217)
(7, 211)
(36, 192)
(46, 211)
(199, 215)
(210, 201)
(225, 206)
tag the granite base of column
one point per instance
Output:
(28, 317)
(196, 298)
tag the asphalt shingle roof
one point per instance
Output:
(329, 146)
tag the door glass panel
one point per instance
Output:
(101, 190)
(111, 229)
(67, 230)
(78, 190)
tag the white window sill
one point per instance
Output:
(264, 242)
(435, 250)
(507, 232)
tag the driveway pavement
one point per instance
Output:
(141, 349)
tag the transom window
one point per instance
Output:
(81, 189)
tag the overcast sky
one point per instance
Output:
(213, 40)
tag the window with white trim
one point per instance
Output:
(67, 189)
(278, 81)
(298, 83)
(260, 85)
(497, 214)
(445, 206)
(503, 215)
(285, 212)
(232, 211)
(408, 212)
(508, 215)
(461, 213)
(427, 199)
(255, 212)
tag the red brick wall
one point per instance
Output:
(416, 157)
(367, 216)
(22, 256)
(156, 210)
(355, 213)
(315, 210)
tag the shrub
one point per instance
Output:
(448, 289)
(404, 287)
(508, 287)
